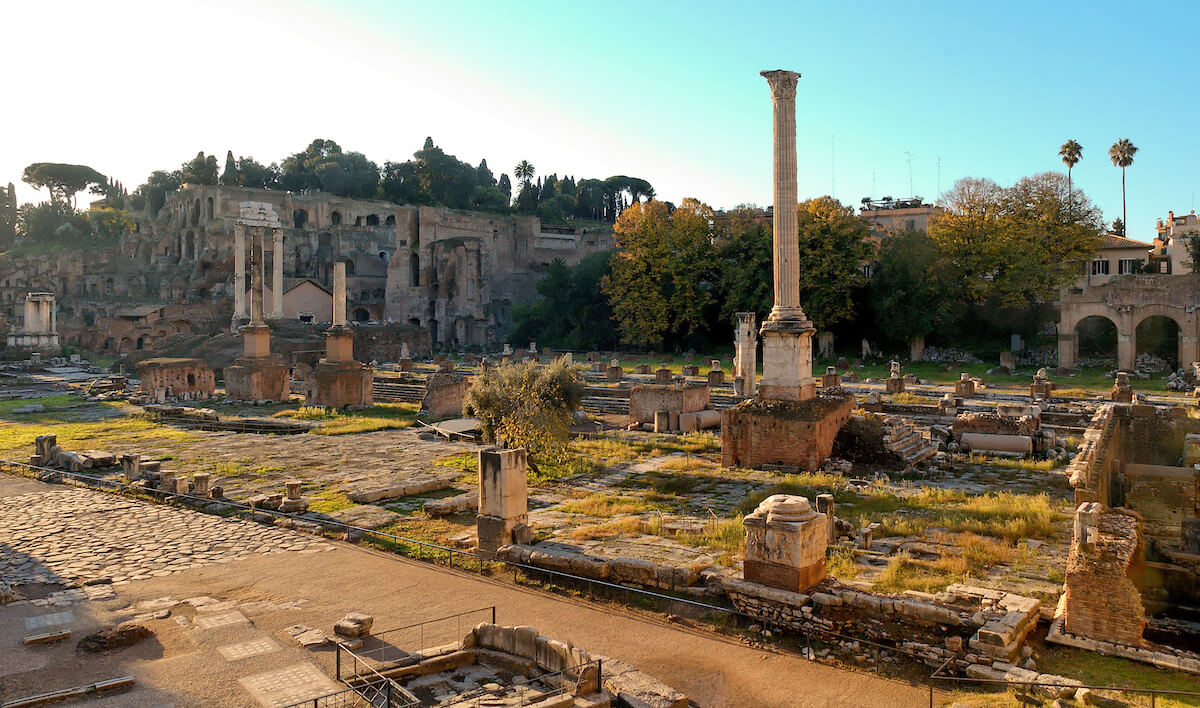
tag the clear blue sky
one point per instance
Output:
(666, 91)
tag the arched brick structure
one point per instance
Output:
(1127, 301)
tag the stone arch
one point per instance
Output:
(110, 287)
(1160, 334)
(372, 220)
(361, 315)
(208, 214)
(390, 220)
(385, 256)
(196, 212)
(189, 246)
(1096, 336)
(335, 218)
(299, 218)
(349, 266)
(414, 322)
(358, 221)
(141, 343)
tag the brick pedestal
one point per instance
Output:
(769, 432)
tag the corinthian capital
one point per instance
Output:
(783, 83)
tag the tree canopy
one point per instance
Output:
(572, 312)
(62, 180)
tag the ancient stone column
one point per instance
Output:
(260, 275)
(239, 274)
(277, 275)
(256, 270)
(339, 294)
(745, 356)
(787, 333)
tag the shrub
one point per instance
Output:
(526, 405)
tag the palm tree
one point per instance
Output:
(1122, 153)
(1070, 152)
(524, 172)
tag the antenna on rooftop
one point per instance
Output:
(908, 157)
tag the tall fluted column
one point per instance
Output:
(786, 253)
(239, 275)
(277, 275)
(787, 333)
(339, 294)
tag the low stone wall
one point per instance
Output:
(1088, 471)
(992, 424)
(614, 570)
(180, 378)
(444, 394)
(646, 400)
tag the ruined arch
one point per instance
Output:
(1159, 335)
(335, 218)
(196, 212)
(1096, 337)
(390, 220)
(361, 315)
(299, 218)
(372, 220)
(208, 214)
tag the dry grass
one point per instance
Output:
(118, 433)
(385, 416)
(604, 506)
(913, 399)
(841, 563)
(903, 572)
(629, 526)
(688, 464)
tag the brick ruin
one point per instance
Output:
(164, 378)
(454, 274)
(1134, 555)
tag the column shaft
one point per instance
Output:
(256, 270)
(339, 294)
(277, 275)
(239, 274)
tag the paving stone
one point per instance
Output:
(288, 685)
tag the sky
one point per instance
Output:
(665, 91)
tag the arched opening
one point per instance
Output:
(1097, 339)
(189, 246)
(209, 212)
(335, 218)
(1157, 344)
(110, 287)
(324, 241)
(358, 221)
(299, 218)
(372, 220)
(141, 342)
(433, 331)
(349, 266)
(191, 380)
(125, 345)
(414, 270)
(390, 220)
(414, 322)
(384, 256)
(196, 212)
(361, 315)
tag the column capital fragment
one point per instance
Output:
(783, 83)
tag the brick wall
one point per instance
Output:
(764, 432)
(1101, 601)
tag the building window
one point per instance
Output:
(1100, 267)
(1128, 266)
(866, 270)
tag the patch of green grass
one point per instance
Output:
(118, 433)
(841, 563)
(329, 502)
(1016, 463)
(1095, 669)
(467, 461)
(384, 416)
(903, 572)
(555, 469)
(727, 535)
(913, 399)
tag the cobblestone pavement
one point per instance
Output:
(79, 536)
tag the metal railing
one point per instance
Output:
(377, 693)
(390, 648)
(467, 560)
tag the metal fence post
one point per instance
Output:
(493, 614)
(337, 661)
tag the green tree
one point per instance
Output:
(107, 222)
(745, 253)
(665, 274)
(201, 169)
(1118, 227)
(1071, 153)
(1121, 153)
(524, 172)
(230, 176)
(834, 245)
(53, 221)
(912, 291)
(572, 311)
(63, 181)
(323, 165)
(527, 405)
(9, 216)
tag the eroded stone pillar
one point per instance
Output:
(503, 499)
(239, 275)
(339, 294)
(256, 270)
(787, 333)
(745, 356)
(277, 275)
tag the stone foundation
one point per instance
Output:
(646, 400)
(444, 394)
(338, 384)
(257, 379)
(183, 378)
(1101, 601)
(795, 433)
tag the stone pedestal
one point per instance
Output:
(444, 394)
(614, 374)
(965, 386)
(1042, 386)
(831, 379)
(503, 516)
(761, 431)
(257, 379)
(785, 544)
(716, 377)
(894, 384)
(663, 376)
(690, 370)
(643, 369)
(787, 361)
(1122, 391)
(338, 380)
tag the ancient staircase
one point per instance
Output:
(907, 441)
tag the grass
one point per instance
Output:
(629, 526)
(913, 399)
(1098, 670)
(245, 467)
(841, 564)
(903, 572)
(329, 502)
(1005, 515)
(1016, 463)
(688, 464)
(16, 439)
(604, 505)
(384, 416)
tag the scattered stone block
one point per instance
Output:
(123, 635)
(354, 624)
(307, 637)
